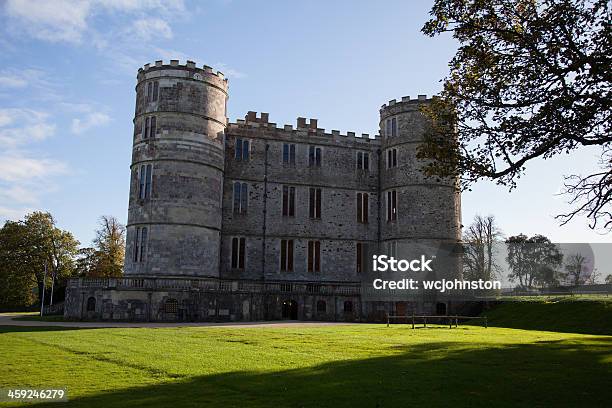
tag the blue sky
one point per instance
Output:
(68, 69)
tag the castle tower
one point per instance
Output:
(419, 214)
(174, 216)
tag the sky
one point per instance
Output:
(68, 71)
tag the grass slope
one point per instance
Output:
(340, 366)
(555, 314)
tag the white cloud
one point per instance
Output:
(58, 20)
(69, 20)
(16, 167)
(14, 214)
(90, 121)
(19, 194)
(21, 78)
(228, 71)
(19, 126)
(10, 81)
(148, 28)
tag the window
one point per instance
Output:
(171, 306)
(391, 158)
(242, 149)
(314, 256)
(91, 304)
(392, 249)
(155, 90)
(286, 264)
(153, 126)
(314, 156)
(152, 91)
(150, 127)
(321, 306)
(360, 256)
(315, 203)
(136, 245)
(143, 243)
(392, 205)
(238, 252)
(146, 179)
(288, 153)
(391, 130)
(140, 244)
(363, 207)
(240, 198)
(348, 306)
(288, 201)
(145, 130)
(363, 161)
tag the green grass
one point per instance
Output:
(560, 314)
(339, 366)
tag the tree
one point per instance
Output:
(16, 288)
(530, 80)
(609, 279)
(479, 252)
(30, 245)
(574, 268)
(105, 258)
(86, 262)
(533, 261)
(593, 278)
(110, 247)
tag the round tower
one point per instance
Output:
(174, 216)
(419, 214)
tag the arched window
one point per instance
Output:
(91, 304)
(348, 306)
(171, 306)
(321, 306)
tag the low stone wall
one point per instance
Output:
(147, 299)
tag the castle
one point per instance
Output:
(254, 221)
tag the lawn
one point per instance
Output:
(588, 315)
(339, 366)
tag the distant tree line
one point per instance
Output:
(533, 262)
(35, 253)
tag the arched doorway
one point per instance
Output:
(441, 309)
(91, 304)
(290, 309)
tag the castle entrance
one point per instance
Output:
(290, 309)
(441, 309)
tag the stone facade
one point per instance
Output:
(201, 186)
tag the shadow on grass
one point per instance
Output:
(559, 373)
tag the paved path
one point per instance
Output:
(6, 319)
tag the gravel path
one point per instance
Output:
(6, 319)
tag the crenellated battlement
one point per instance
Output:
(175, 64)
(405, 100)
(304, 127)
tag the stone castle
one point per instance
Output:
(254, 221)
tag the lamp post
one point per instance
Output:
(42, 299)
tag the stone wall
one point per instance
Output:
(339, 181)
